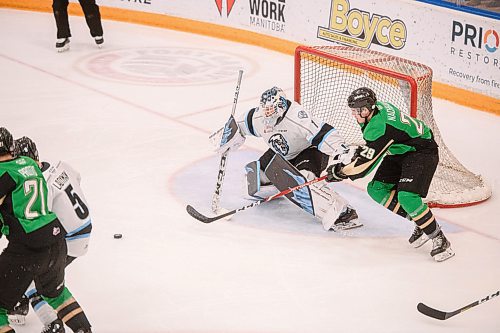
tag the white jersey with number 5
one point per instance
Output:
(67, 201)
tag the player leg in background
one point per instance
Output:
(93, 19)
(77, 243)
(60, 9)
(42, 309)
(50, 286)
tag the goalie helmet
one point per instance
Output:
(362, 97)
(6, 142)
(26, 147)
(273, 104)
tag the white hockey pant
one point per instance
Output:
(328, 204)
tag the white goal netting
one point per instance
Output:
(326, 75)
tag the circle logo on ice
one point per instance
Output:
(165, 66)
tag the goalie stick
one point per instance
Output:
(442, 315)
(205, 219)
(223, 158)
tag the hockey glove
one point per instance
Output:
(334, 173)
(232, 138)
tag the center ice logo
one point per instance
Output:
(173, 66)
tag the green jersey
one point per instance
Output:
(390, 131)
(24, 208)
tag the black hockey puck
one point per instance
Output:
(117, 236)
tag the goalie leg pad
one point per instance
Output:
(328, 204)
(283, 175)
(258, 185)
(333, 210)
(317, 199)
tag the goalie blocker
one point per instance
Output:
(318, 199)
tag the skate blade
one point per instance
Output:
(445, 255)
(419, 242)
(63, 49)
(347, 227)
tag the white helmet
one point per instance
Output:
(273, 104)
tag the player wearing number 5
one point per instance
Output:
(67, 201)
(66, 198)
(409, 157)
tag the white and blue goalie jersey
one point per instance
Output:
(295, 132)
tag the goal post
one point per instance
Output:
(326, 75)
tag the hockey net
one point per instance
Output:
(326, 75)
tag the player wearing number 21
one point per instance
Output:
(66, 199)
(408, 156)
(36, 249)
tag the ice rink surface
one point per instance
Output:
(134, 119)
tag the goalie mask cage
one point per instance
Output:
(325, 76)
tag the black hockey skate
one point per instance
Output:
(441, 247)
(62, 44)
(99, 40)
(418, 238)
(18, 315)
(347, 220)
(57, 326)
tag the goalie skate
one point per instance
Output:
(347, 220)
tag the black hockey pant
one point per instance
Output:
(90, 10)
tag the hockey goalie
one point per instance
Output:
(300, 148)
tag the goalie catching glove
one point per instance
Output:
(231, 138)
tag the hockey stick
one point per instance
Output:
(442, 315)
(205, 219)
(223, 158)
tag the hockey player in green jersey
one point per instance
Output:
(37, 248)
(408, 157)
